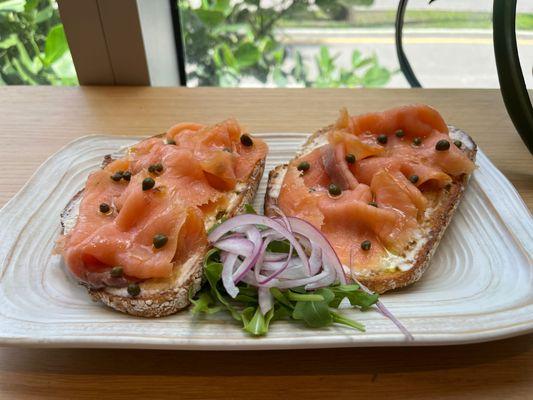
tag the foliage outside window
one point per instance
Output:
(227, 42)
(33, 46)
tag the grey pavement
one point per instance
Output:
(440, 59)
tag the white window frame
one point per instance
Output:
(121, 42)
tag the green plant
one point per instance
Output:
(227, 43)
(33, 46)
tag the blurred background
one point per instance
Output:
(299, 43)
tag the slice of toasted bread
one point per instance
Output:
(416, 258)
(160, 297)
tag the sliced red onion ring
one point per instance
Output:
(227, 275)
(266, 300)
(251, 219)
(254, 236)
(240, 246)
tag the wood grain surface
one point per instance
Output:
(37, 121)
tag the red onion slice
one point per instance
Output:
(251, 219)
(227, 275)
(240, 246)
(254, 236)
(265, 299)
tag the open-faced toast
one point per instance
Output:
(161, 296)
(404, 265)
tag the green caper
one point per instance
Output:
(399, 133)
(442, 145)
(117, 176)
(413, 178)
(372, 203)
(170, 141)
(382, 139)
(334, 190)
(366, 245)
(350, 158)
(246, 140)
(104, 208)
(148, 183)
(417, 141)
(458, 143)
(155, 168)
(126, 176)
(159, 240)
(134, 289)
(303, 166)
(116, 272)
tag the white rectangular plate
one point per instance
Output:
(479, 286)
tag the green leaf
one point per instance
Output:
(304, 297)
(202, 304)
(223, 6)
(10, 41)
(281, 297)
(247, 54)
(340, 319)
(210, 18)
(12, 5)
(228, 57)
(249, 209)
(315, 314)
(376, 76)
(257, 325)
(56, 45)
(279, 246)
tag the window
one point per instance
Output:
(344, 43)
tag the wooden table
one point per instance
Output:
(35, 122)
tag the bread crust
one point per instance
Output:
(382, 281)
(176, 296)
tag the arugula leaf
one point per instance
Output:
(256, 324)
(311, 307)
(279, 246)
(203, 304)
(316, 314)
(249, 209)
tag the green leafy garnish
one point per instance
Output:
(313, 308)
(279, 246)
(249, 209)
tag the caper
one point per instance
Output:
(134, 289)
(458, 143)
(117, 176)
(413, 178)
(159, 240)
(417, 141)
(170, 141)
(372, 203)
(104, 208)
(246, 140)
(148, 183)
(399, 133)
(334, 190)
(350, 158)
(126, 176)
(116, 272)
(155, 168)
(303, 166)
(442, 145)
(382, 138)
(366, 245)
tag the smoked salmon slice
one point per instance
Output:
(147, 210)
(385, 168)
